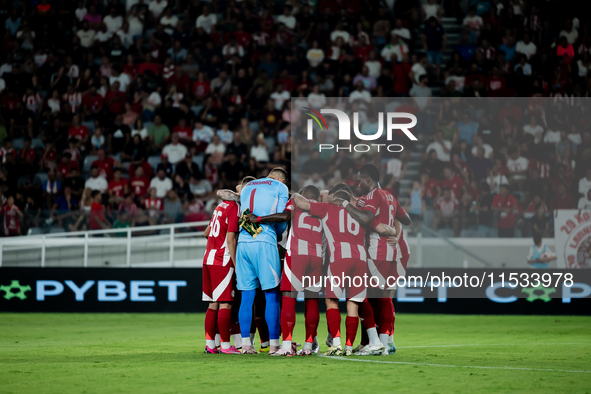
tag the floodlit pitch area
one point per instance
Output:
(163, 353)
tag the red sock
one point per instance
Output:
(288, 317)
(384, 316)
(393, 316)
(333, 319)
(217, 328)
(367, 321)
(210, 323)
(351, 325)
(224, 323)
(235, 328)
(366, 315)
(312, 319)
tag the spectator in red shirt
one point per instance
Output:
(149, 65)
(154, 206)
(65, 166)
(181, 80)
(92, 103)
(27, 154)
(362, 51)
(400, 73)
(10, 100)
(49, 156)
(184, 132)
(447, 212)
(8, 150)
(431, 190)
(130, 68)
(514, 112)
(118, 187)
(563, 199)
(242, 37)
(565, 50)
(78, 131)
(97, 214)
(12, 217)
(115, 99)
(504, 204)
(105, 164)
(139, 185)
(200, 86)
(454, 182)
(496, 81)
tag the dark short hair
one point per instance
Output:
(280, 170)
(94, 167)
(94, 193)
(247, 179)
(370, 170)
(313, 190)
(339, 186)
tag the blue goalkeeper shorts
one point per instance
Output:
(257, 263)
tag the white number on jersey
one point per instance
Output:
(352, 225)
(215, 224)
(306, 226)
(391, 216)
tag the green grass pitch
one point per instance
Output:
(163, 353)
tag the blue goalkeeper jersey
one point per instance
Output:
(264, 197)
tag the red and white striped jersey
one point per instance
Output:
(74, 99)
(386, 209)
(32, 102)
(224, 220)
(5, 152)
(305, 234)
(155, 204)
(344, 235)
(447, 208)
(11, 219)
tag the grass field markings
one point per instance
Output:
(455, 366)
(494, 344)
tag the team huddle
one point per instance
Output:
(335, 245)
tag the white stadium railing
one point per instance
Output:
(169, 237)
(172, 247)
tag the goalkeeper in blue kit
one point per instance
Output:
(257, 256)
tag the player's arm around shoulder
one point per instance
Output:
(385, 230)
(301, 202)
(364, 217)
(228, 195)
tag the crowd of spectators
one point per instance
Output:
(127, 113)
(507, 169)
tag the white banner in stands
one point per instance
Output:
(572, 229)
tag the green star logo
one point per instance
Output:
(539, 293)
(20, 293)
